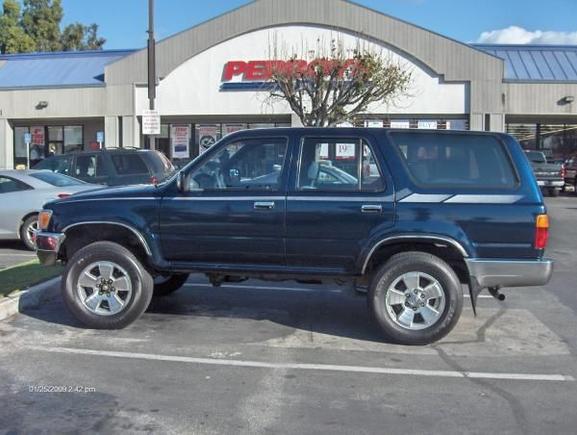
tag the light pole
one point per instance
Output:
(151, 65)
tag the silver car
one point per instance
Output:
(22, 195)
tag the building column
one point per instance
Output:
(111, 133)
(131, 132)
(6, 145)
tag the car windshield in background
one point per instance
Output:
(55, 179)
(535, 157)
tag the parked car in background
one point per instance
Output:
(550, 176)
(113, 167)
(22, 195)
(412, 215)
(571, 173)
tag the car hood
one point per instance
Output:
(116, 192)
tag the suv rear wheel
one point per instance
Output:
(105, 286)
(416, 298)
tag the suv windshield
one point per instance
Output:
(55, 179)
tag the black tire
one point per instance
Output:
(553, 192)
(422, 262)
(141, 282)
(29, 224)
(169, 285)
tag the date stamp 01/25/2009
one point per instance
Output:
(60, 389)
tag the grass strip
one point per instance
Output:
(25, 275)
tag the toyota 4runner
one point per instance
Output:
(412, 216)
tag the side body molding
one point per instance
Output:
(137, 233)
(416, 237)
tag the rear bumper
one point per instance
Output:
(551, 183)
(48, 246)
(509, 273)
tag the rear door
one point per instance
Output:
(13, 206)
(340, 195)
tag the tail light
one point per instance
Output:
(541, 231)
(154, 180)
(563, 171)
(63, 195)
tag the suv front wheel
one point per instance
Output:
(105, 286)
(416, 298)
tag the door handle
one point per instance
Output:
(264, 205)
(371, 208)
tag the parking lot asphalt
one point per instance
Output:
(13, 253)
(261, 357)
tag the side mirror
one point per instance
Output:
(182, 182)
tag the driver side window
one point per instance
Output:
(244, 165)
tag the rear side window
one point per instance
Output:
(57, 180)
(456, 160)
(89, 166)
(339, 165)
(129, 164)
(10, 185)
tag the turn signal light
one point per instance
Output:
(44, 219)
(541, 231)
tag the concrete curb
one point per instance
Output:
(30, 298)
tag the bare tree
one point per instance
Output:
(335, 85)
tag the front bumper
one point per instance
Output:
(550, 183)
(48, 246)
(487, 273)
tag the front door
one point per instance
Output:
(234, 211)
(340, 196)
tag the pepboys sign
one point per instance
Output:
(255, 75)
(252, 75)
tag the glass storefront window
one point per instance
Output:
(73, 138)
(55, 134)
(557, 141)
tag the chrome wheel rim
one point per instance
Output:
(31, 231)
(415, 301)
(104, 288)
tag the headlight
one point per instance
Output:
(44, 219)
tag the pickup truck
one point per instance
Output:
(414, 216)
(550, 176)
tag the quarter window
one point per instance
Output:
(9, 185)
(245, 165)
(340, 165)
(456, 160)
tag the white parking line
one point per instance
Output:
(289, 289)
(315, 367)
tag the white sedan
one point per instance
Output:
(22, 195)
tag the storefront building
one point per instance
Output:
(211, 83)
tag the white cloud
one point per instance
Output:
(519, 35)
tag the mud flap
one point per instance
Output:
(474, 291)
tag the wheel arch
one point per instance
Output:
(446, 248)
(82, 233)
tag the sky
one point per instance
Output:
(123, 22)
